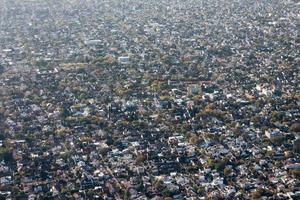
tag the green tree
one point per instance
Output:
(127, 194)
(6, 155)
(227, 171)
(1, 69)
(158, 184)
(295, 127)
(167, 193)
(140, 158)
(193, 139)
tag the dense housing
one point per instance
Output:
(156, 99)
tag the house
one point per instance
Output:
(274, 134)
(123, 59)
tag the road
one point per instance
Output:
(115, 179)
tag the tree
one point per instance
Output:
(255, 120)
(201, 190)
(6, 155)
(256, 194)
(140, 158)
(89, 193)
(127, 194)
(296, 146)
(193, 139)
(1, 69)
(220, 164)
(158, 184)
(2, 136)
(295, 127)
(227, 171)
(211, 163)
(41, 63)
(167, 193)
(19, 194)
(276, 116)
(296, 173)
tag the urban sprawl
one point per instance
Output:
(149, 99)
